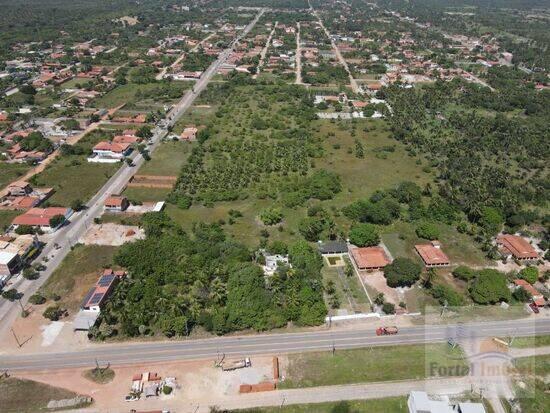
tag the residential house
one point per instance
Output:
(117, 203)
(97, 296)
(272, 262)
(517, 247)
(40, 218)
(370, 258)
(432, 255)
(332, 247)
(109, 152)
(538, 297)
(10, 263)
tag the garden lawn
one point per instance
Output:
(390, 404)
(373, 364)
(78, 272)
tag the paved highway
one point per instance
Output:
(62, 240)
(120, 354)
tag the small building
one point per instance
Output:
(332, 247)
(10, 263)
(189, 134)
(98, 294)
(538, 297)
(116, 203)
(109, 152)
(432, 255)
(370, 258)
(40, 218)
(19, 188)
(272, 262)
(517, 247)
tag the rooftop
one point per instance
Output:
(431, 254)
(40, 216)
(370, 257)
(518, 246)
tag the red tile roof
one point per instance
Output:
(528, 287)
(115, 201)
(113, 147)
(517, 246)
(39, 216)
(370, 257)
(431, 255)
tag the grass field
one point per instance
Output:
(533, 395)
(400, 239)
(374, 364)
(126, 94)
(195, 116)
(11, 171)
(357, 182)
(146, 194)
(73, 177)
(391, 404)
(78, 272)
(167, 159)
(26, 396)
(526, 342)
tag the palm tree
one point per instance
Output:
(429, 278)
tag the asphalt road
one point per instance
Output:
(63, 239)
(266, 344)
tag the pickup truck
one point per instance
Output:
(236, 364)
(386, 331)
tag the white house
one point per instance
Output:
(109, 152)
(272, 262)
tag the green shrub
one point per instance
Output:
(446, 295)
(428, 230)
(490, 287)
(37, 299)
(271, 216)
(388, 308)
(364, 235)
(402, 272)
(529, 274)
(53, 313)
(464, 273)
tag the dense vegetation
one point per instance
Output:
(492, 166)
(179, 281)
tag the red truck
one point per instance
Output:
(386, 331)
